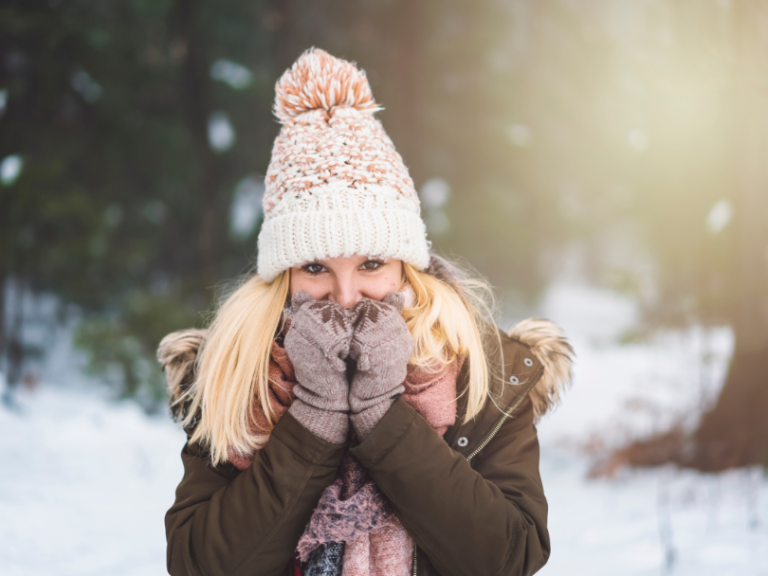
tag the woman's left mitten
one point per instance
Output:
(382, 345)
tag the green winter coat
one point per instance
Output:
(472, 500)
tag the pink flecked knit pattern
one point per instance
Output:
(353, 510)
(329, 134)
(350, 507)
(388, 552)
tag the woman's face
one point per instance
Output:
(347, 280)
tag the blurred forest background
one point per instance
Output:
(622, 143)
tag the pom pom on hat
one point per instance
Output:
(317, 80)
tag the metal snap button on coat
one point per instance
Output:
(463, 441)
(528, 362)
(514, 380)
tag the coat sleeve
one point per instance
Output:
(227, 522)
(490, 519)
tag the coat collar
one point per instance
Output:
(516, 370)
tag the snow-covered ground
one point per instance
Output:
(86, 481)
(654, 522)
(84, 485)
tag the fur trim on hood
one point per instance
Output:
(177, 355)
(550, 347)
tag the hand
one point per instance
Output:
(317, 343)
(382, 345)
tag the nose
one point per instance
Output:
(345, 293)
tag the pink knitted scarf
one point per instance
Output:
(353, 509)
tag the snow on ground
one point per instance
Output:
(652, 522)
(84, 486)
(643, 522)
(86, 481)
(622, 392)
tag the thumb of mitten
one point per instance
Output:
(299, 298)
(364, 361)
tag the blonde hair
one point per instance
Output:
(448, 319)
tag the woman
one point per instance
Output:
(352, 409)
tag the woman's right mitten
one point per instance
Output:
(382, 346)
(317, 343)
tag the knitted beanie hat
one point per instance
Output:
(335, 185)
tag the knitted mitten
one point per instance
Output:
(382, 345)
(317, 343)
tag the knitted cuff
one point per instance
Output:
(329, 426)
(364, 422)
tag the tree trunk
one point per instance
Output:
(735, 432)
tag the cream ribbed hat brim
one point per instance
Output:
(332, 223)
